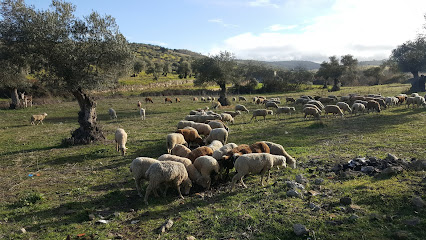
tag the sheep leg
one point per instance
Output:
(138, 186)
(148, 191)
(116, 146)
(178, 189)
(262, 173)
(237, 177)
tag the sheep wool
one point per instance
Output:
(138, 168)
(174, 138)
(120, 140)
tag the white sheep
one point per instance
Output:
(358, 108)
(419, 101)
(120, 140)
(112, 113)
(227, 117)
(174, 138)
(313, 106)
(215, 145)
(311, 111)
(218, 154)
(241, 98)
(415, 95)
(204, 118)
(216, 105)
(206, 165)
(316, 103)
(333, 109)
(410, 100)
(38, 117)
(183, 123)
(170, 173)
(219, 134)
(202, 128)
(233, 113)
(256, 163)
(288, 110)
(278, 149)
(241, 108)
(234, 99)
(344, 107)
(217, 124)
(142, 113)
(138, 168)
(180, 150)
(262, 113)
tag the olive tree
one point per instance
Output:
(332, 70)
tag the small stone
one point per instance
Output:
(368, 169)
(418, 202)
(91, 217)
(391, 157)
(314, 207)
(102, 221)
(353, 217)
(300, 229)
(312, 193)
(301, 179)
(346, 201)
(389, 171)
(319, 181)
(293, 193)
(352, 208)
(190, 238)
(135, 221)
(418, 165)
(166, 226)
(412, 222)
(23, 230)
(294, 185)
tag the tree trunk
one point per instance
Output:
(89, 131)
(415, 83)
(15, 98)
(222, 96)
(336, 85)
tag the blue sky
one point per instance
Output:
(266, 29)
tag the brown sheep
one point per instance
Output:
(168, 100)
(177, 99)
(260, 100)
(198, 152)
(227, 162)
(401, 99)
(148, 99)
(191, 136)
(373, 105)
(259, 147)
(195, 99)
(381, 102)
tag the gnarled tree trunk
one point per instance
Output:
(222, 96)
(15, 98)
(415, 83)
(89, 131)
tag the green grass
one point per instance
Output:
(74, 182)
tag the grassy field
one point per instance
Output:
(54, 191)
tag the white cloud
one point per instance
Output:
(158, 43)
(364, 28)
(279, 27)
(263, 3)
(220, 21)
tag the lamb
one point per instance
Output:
(256, 163)
(168, 100)
(38, 117)
(220, 134)
(209, 99)
(271, 104)
(142, 113)
(285, 110)
(277, 149)
(241, 108)
(180, 150)
(358, 107)
(174, 138)
(344, 107)
(207, 165)
(218, 154)
(148, 99)
(217, 124)
(195, 99)
(191, 136)
(120, 141)
(373, 105)
(227, 117)
(169, 172)
(254, 99)
(260, 101)
(112, 113)
(391, 101)
(202, 128)
(234, 113)
(177, 100)
(215, 145)
(311, 111)
(138, 168)
(261, 112)
(198, 152)
(193, 174)
(333, 109)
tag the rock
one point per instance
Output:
(294, 185)
(412, 222)
(312, 193)
(337, 168)
(353, 217)
(102, 221)
(23, 230)
(352, 208)
(391, 157)
(346, 201)
(166, 226)
(418, 202)
(190, 238)
(300, 229)
(135, 221)
(91, 217)
(389, 171)
(368, 169)
(418, 165)
(293, 193)
(301, 179)
(319, 181)
(314, 207)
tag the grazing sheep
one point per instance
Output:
(112, 113)
(373, 105)
(192, 118)
(262, 113)
(138, 168)
(198, 152)
(391, 101)
(180, 150)
(177, 99)
(203, 99)
(241, 108)
(215, 145)
(209, 99)
(285, 110)
(142, 113)
(254, 99)
(234, 99)
(324, 100)
(290, 99)
(207, 165)
(401, 98)
(260, 100)
(202, 128)
(345, 99)
(227, 117)
(409, 100)
(139, 104)
(334, 109)
(38, 117)
(260, 147)
(220, 134)
(241, 98)
(174, 138)
(218, 154)
(415, 95)
(381, 102)
(216, 105)
(120, 141)
(302, 101)
(344, 107)
(168, 100)
(358, 108)
(278, 149)
(203, 118)
(148, 99)
(311, 111)
(419, 101)
(271, 104)
(312, 106)
(195, 99)
(316, 103)
(227, 161)
(217, 124)
(170, 173)
(234, 113)
(256, 163)
(183, 123)
(362, 102)
(190, 135)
